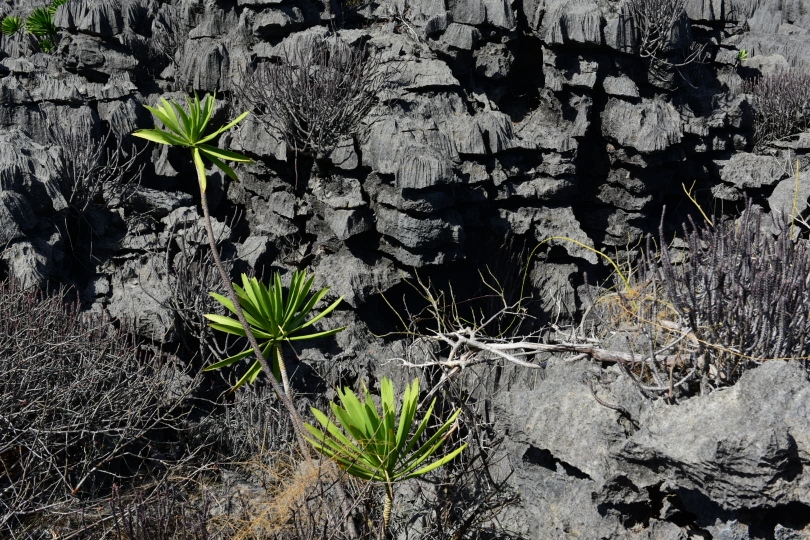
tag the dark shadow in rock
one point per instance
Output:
(544, 458)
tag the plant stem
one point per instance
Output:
(257, 351)
(282, 393)
(389, 502)
(282, 369)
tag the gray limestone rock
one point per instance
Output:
(545, 127)
(354, 277)
(418, 258)
(561, 222)
(568, 70)
(560, 403)
(547, 223)
(94, 17)
(16, 216)
(254, 137)
(719, 10)
(461, 36)
(465, 133)
(571, 21)
(140, 291)
(649, 126)
(473, 12)
(260, 3)
(205, 64)
(618, 227)
(493, 61)
(347, 223)
(420, 232)
(621, 198)
(500, 14)
(338, 191)
(538, 189)
(344, 156)
(620, 86)
(97, 59)
(392, 144)
(784, 194)
(157, 203)
(424, 74)
(744, 447)
(274, 23)
(31, 172)
(30, 262)
(745, 170)
(420, 167)
(254, 250)
(425, 201)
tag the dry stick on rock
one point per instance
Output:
(470, 344)
(655, 23)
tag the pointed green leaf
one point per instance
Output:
(224, 154)
(230, 360)
(322, 314)
(160, 137)
(221, 165)
(161, 115)
(325, 333)
(226, 127)
(250, 376)
(410, 402)
(200, 166)
(436, 464)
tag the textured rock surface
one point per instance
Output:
(501, 123)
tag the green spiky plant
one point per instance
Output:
(273, 319)
(370, 444)
(39, 24)
(188, 129)
(11, 25)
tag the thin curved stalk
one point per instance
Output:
(282, 393)
(226, 280)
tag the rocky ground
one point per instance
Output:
(498, 125)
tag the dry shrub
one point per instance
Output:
(163, 513)
(662, 32)
(781, 103)
(282, 497)
(734, 297)
(744, 294)
(81, 407)
(317, 93)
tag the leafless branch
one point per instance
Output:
(81, 406)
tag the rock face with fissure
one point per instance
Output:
(500, 123)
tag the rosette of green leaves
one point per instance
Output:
(188, 129)
(273, 318)
(370, 444)
(40, 22)
(11, 25)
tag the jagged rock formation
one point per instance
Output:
(500, 119)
